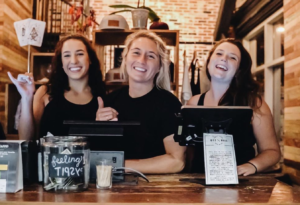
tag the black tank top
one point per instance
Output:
(243, 146)
(201, 99)
(60, 109)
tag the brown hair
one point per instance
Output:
(243, 89)
(59, 82)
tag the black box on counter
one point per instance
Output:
(29, 161)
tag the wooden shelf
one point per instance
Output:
(117, 37)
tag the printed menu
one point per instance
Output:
(219, 158)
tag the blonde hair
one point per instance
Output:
(162, 80)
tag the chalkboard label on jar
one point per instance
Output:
(66, 165)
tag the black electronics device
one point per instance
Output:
(29, 160)
(98, 128)
(117, 159)
(193, 121)
(102, 135)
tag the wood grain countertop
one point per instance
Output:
(168, 189)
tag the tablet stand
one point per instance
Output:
(208, 126)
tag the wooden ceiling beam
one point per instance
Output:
(224, 18)
(252, 13)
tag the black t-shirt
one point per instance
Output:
(155, 111)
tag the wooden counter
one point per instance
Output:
(168, 189)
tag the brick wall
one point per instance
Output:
(195, 19)
(292, 89)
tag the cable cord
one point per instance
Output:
(133, 171)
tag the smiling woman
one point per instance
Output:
(229, 71)
(147, 99)
(142, 62)
(145, 48)
(224, 62)
(71, 94)
(75, 59)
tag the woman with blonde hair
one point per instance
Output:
(147, 99)
(162, 80)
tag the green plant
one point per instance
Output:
(126, 8)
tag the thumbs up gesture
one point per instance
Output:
(105, 113)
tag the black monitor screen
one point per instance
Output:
(196, 120)
(102, 135)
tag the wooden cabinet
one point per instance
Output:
(41, 65)
(104, 38)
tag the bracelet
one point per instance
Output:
(253, 166)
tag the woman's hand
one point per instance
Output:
(25, 85)
(246, 169)
(105, 113)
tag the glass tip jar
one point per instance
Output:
(66, 163)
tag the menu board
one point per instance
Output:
(219, 157)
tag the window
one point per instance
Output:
(260, 78)
(278, 42)
(265, 44)
(260, 49)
